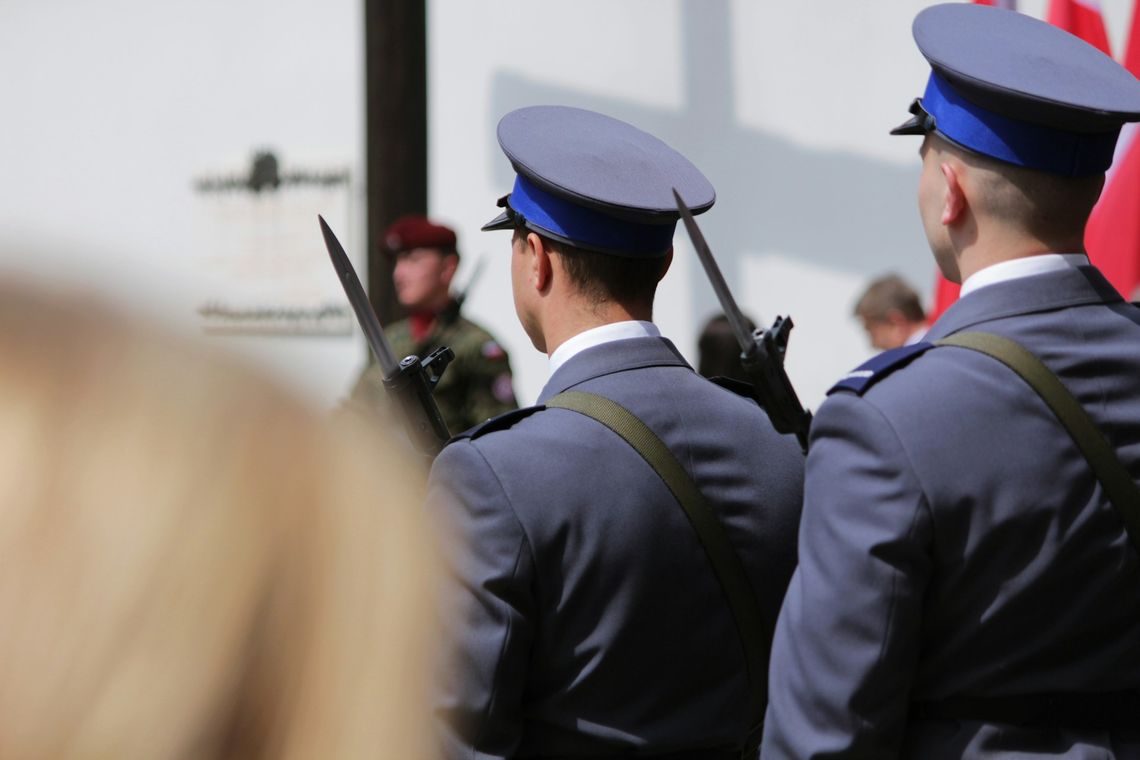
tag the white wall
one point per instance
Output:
(785, 106)
(111, 109)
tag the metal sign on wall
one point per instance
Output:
(258, 239)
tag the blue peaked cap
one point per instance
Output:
(595, 182)
(1020, 143)
(1017, 89)
(582, 226)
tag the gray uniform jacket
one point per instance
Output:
(584, 617)
(955, 543)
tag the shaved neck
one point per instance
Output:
(991, 212)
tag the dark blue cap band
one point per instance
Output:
(1021, 143)
(585, 227)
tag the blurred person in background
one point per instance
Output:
(477, 383)
(718, 350)
(192, 563)
(891, 313)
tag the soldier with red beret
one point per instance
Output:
(477, 383)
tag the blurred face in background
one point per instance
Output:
(889, 332)
(423, 278)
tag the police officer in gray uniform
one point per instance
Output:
(585, 619)
(966, 587)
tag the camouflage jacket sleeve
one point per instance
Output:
(477, 385)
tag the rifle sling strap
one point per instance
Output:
(1118, 485)
(755, 635)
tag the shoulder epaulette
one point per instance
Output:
(500, 422)
(860, 379)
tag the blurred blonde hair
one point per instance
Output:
(192, 563)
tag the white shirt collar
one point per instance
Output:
(596, 336)
(1024, 267)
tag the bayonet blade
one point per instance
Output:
(360, 303)
(736, 319)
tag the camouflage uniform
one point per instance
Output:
(475, 386)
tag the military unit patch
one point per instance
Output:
(492, 350)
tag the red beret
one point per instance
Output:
(409, 232)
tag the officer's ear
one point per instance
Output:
(954, 203)
(540, 268)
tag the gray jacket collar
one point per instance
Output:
(608, 358)
(1026, 295)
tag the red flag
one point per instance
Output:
(1081, 18)
(946, 292)
(1112, 237)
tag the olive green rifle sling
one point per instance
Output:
(1119, 486)
(755, 634)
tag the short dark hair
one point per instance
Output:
(1048, 206)
(886, 294)
(602, 277)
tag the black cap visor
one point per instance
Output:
(507, 220)
(920, 123)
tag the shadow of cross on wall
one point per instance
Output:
(836, 210)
